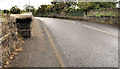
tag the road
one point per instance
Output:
(83, 44)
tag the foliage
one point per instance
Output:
(96, 5)
(15, 10)
(41, 9)
(1, 11)
(69, 8)
(5, 11)
(49, 8)
(23, 11)
(76, 12)
(85, 5)
(62, 7)
(29, 8)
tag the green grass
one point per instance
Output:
(0, 12)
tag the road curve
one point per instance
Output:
(84, 44)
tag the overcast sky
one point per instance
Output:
(7, 4)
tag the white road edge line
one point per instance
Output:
(100, 30)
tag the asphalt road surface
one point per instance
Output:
(83, 44)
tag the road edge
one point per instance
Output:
(53, 47)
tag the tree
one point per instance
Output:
(85, 5)
(5, 11)
(96, 5)
(15, 10)
(29, 8)
(49, 8)
(59, 7)
(41, 9)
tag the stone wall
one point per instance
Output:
(105, 12)
(11, 43)
(112, 18)
(104, 19)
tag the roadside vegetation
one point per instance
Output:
(67, 9)
(75, 9)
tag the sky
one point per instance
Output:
(7, 4)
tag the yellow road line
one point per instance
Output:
(54, 48)
(101, 30)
